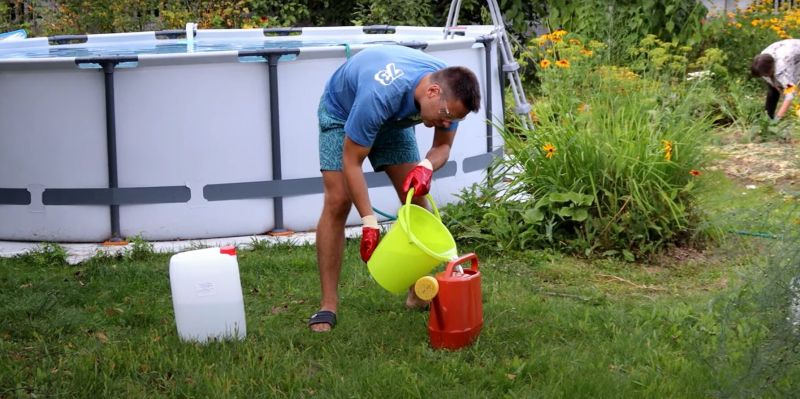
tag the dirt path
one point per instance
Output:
(771, 163)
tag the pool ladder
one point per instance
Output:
(510, 65)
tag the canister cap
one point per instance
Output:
(228, 250)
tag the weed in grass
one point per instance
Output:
(47, 254)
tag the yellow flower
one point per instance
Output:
(545, 63)
(586, 52)
(246, 26)
(574, 41)
(549, 149)
(559, 33)
(562, 63)
(667, 150)
(790, 89)
(543, 40)
(738, 25)
(585, 107)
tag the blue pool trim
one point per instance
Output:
(284, 31)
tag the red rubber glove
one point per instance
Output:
(370, 235)
(420, 179)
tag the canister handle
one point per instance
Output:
(448, 271)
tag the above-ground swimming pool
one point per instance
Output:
(149, 134)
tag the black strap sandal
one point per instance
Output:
(323, 316)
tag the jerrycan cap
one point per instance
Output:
(228, 250)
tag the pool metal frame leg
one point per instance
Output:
(111, 144)
(108, 64)
(275, 129)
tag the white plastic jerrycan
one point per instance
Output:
(207, 294)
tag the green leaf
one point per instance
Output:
(566, 212)
(580, 215)
(610, 253)
(542, 202)
(670, 26)
(628, 255)
(532, 216)
(559, 197)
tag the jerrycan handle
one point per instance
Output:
(448, 271)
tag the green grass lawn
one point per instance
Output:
(554, 326)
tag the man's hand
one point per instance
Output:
(370, 235)
(419, 179)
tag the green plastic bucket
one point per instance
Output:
(417, 243)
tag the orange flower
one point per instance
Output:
(789, 89)
(574, 41)
(562, 63)
(695, 172)
(545, 63)
(549, 149)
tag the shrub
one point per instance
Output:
(614, 162)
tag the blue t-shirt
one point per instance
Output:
(374, 90)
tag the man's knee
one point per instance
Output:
(338, 203)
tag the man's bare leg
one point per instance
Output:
(397, 174)
(330, 241)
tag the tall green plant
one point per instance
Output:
(612, 167)
(620, 24)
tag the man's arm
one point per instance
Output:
(784, 107)
(352, 160)
(440, 150)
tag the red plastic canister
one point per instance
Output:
(456, 315)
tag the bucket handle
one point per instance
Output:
(448, 271)
(412, 239)
(430, 199)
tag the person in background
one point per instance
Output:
(368, 109)
(779, 65)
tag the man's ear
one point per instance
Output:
(433, 90)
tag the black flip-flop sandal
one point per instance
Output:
(323, 316)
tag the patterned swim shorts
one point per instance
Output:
(391, 147)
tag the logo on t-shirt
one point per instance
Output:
(388, 75)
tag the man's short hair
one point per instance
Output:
(459, 83)
(763, 65)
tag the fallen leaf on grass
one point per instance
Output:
(102, 337)
(29, 285)
(612, 367)
(188, 380)
(278, 309)
(511, 376)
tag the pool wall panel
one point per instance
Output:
(197, 124)
(60, 142)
